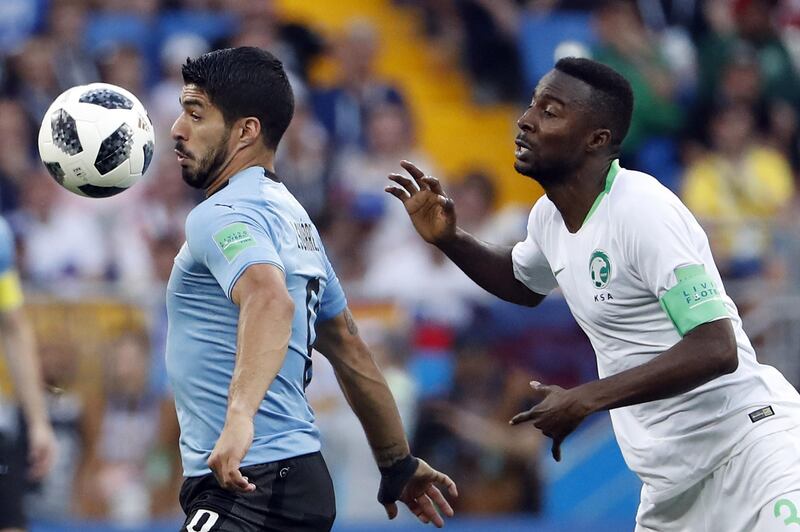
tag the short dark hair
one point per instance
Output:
(245, 81)
(612, 96)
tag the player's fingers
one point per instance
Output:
(444, 480)
(434, 184)
(556, 450)
(416, 509)
(412, 169)
(397, 193)
(404, 182)
(391, 510)
(540, 391)
(522, 417)
(429, 511)
(437, 497)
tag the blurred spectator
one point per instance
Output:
(59, 241)
(124, 66)
(32, 77)
(636, 56)
(15, 153)
(73, 65)
(490, 49)
(475, 195)
(736, 189)
(295, 44)
(343, 109)
(115, 484)
(495, 465)
(302, 159)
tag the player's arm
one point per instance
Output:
(403, 477)
(23, 362)
(705, 353)
(265, 325)
(434, 218)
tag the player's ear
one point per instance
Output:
(249, 130)
(598, 139)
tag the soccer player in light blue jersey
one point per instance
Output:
(250, 294)
(19, 346)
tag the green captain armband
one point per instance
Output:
(694, 300)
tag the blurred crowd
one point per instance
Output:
(716, 120)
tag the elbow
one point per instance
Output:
(726, 352)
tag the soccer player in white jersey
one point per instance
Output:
(712, 433)
(251, 292)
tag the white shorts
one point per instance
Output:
(758, 490)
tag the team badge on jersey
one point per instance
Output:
(600, 269)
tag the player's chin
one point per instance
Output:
(523, 167)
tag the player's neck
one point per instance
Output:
(240, 161)
(575, 194)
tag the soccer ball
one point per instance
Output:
(96, 140)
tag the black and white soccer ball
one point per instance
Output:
(96, 140)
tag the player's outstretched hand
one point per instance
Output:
(558, 412)
(420, 493)
(430, 209)
(232, 445)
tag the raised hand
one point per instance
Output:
(431, 211)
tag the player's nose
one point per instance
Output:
(178, 130)
(526, 121)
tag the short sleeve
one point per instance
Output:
(227, 243)
(333, 300)
(530, 265)
(667, 248)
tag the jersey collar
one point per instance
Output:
(610, 176)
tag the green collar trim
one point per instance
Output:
(610, 177)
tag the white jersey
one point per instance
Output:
(614, 272)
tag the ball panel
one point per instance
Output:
(108, 98)
(114, 150)
(148, 154)
(56, 171)
(65, 132)
(94, 191)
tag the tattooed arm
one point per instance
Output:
(363, 386)
(403, 477)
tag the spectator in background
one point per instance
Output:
(476, 196)
(115, 483)
(468, 432)
(302, 159)
(344, 108)
(735, 189)
(32, 77)
(124, 66)
(60, 242)
(72, 63)
(16, 151)
(626, 46)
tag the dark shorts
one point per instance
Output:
(13, 481)
(295, 494)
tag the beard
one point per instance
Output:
(207, 167)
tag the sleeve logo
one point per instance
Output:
(600, 269)
(233, 239)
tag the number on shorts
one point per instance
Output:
(198, 516)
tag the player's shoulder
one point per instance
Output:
(543, 212)
(637, 197)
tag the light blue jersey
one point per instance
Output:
(254, 219)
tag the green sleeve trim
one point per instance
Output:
(694, 300)
(233, 239)
(610, 176)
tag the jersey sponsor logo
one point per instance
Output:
(761, 413)
(231, 207)
(305, 236)
(599, 269)
(233, 239)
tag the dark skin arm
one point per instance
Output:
(433, 214)
(705, 353)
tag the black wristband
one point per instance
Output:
(395, 477)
